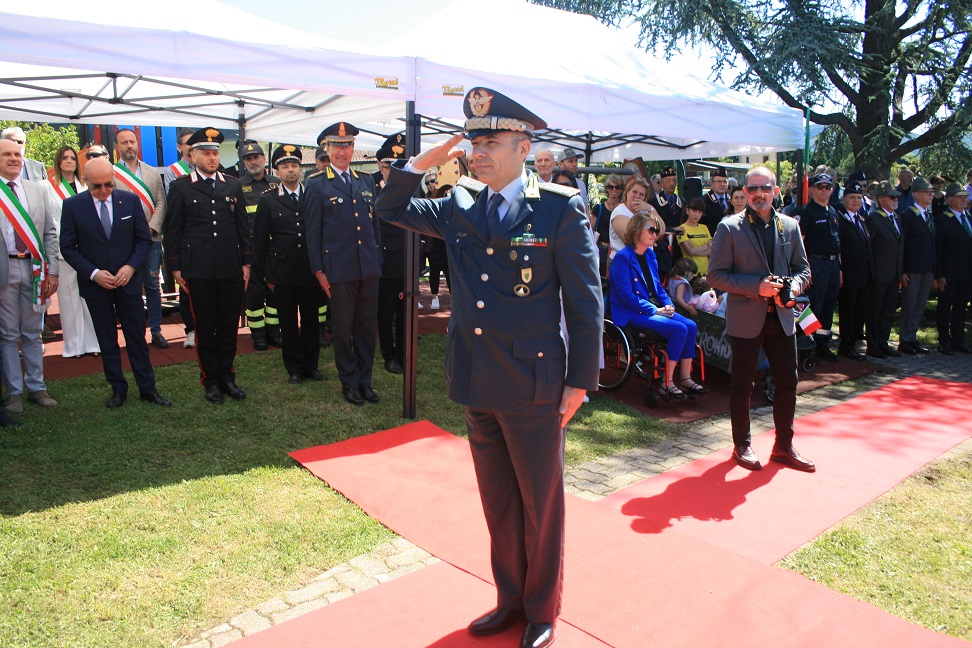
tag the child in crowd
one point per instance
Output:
(705, 298)
(696, 241)
(679, 287)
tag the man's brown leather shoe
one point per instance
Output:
(745, 457)
(496, 621)
(792, 459)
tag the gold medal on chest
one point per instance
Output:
(521, 290)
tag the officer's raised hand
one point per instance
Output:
(439, 155)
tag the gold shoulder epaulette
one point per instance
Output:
(471, 184)
(553, 187)
(314, 175)
(271, 189)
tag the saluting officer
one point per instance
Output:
(520, 254)
(280, 250)
(345, 256)
(207, 245)
(261, 312)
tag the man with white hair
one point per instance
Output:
(32, 169)
(544, 163)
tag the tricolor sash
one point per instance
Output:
(179, 168)
(133, 183)
(62, 188)
(20, 220)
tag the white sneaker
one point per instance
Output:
(420, 306)
(190, 340)
(435, 303)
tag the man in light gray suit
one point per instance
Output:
(32, 169)
(31, 248)
(751, 252)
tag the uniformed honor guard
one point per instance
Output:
(669, 206)
(280, 252)
(391, 286)
(261, 311)
(208, 250)
(345, 256)
(520, 253)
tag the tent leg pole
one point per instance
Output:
(413, 137)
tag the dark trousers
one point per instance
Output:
(301, 340)
(824, 289)
(353, 321)
(883, 304)
(951, 310)
(852, 305)
(216, 308)
(391, 319)
(780, 350)
(519, 463)
(185, 310)
(130, 314)
(438, 265)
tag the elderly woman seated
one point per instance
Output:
(638, 299)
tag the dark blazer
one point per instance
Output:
(954, 247)
(206, 234)
(505, 350)
(85, 247)
(629, 292)
(737, 265)
(714, 211)
(886, 246)
(280, 239)
(855, 263)
(919, 240)
(343, 231)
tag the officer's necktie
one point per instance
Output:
(722, 201)
(105, 219)
(18, 242)
(212, 183)
(346, 178)
(492, 215)
(860, 225)
(964, 218)
(293, 197)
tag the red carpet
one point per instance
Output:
(625, 587)
(862, 448)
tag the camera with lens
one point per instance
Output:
(786, 291)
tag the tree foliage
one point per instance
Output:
(43, 140)
(894, 77)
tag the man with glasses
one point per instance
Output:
(716, 200)
(182, 166)
(918, 232)
(751, 251)
(953, 244)
(821, 240)
(32, 169)
(887, 257)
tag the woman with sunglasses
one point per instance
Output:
(639, 299)
(76, 324)
(601, 215)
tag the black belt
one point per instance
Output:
(19, 256)
(825, 257)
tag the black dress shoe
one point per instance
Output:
(315, 375)
(155, 399)
(352, 395)
(159, 341)
(6, 420)
(232, 390)
(826, 353)
(117, 399)
(944, 350)
(295, 379)
(961, 347)
(918, 348)
(213, 395)
(369, 394)
(496, 621)
(745, 457)
(907, 348)
(894, 353)
(537, 635)
(792, 459)
(852, 354)
(392, 366)
(877, 353)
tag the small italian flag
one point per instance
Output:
(808, 321)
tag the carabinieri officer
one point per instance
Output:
(519, 252)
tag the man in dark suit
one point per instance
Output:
(208, 250)
(520, 254)
(886, 247)
(344, 243)
(391, 286)
(953, 271)
(716, 200)
(855, 266)
(105, 237)
(750, 252)
(280, 252)
(918, 273)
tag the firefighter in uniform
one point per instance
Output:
(345, 256)
(261, 311)
(207, 245)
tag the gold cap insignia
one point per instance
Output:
(289, 148)
(249, 147)
(211, 134)
(479, 102)
(342, 132)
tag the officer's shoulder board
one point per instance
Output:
(314, 175)
(471, 184)
(561, 190)
(271, 189)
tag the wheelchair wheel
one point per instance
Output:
(808, 364)
(617, 358)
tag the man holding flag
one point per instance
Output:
(30, 238)
(145, 182)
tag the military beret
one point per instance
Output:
(885, 188)
(393, 148)
(821, 178)
(339, 134)
(286, 153)
(668, 172)
(206, 138)
(488, 111)
(249, 147)
(853, 186)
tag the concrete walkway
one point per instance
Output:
(591, 481)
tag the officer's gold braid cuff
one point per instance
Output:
(498, 123)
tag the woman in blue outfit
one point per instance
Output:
(639, 299)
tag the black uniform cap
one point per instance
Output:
(853, 186)
(250, 147)
(668, 172)
(206, 138)
(720, 172)
(393, 148)
(286, 153)
(341, 134)
(488, 111)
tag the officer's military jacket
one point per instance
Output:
(280, 239)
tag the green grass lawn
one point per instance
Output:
(138, 526)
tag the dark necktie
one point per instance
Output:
(346, 178)
(293, 197)
(18, 242)
(492, 215)
(105, 219)
(212, 183)
(860, 225)
(722, 201)
(964, 219)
